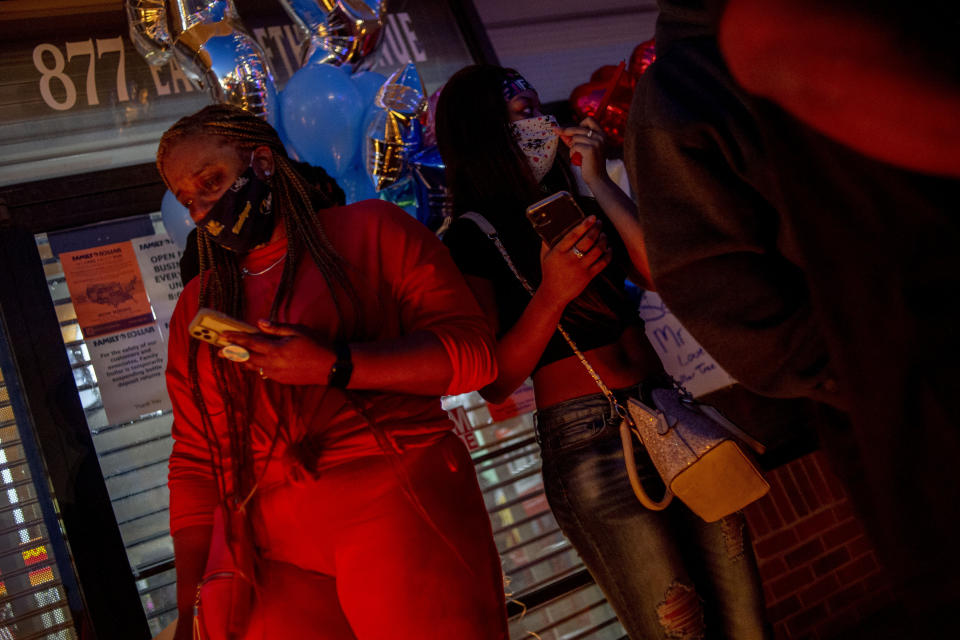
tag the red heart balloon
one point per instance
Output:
(607, 102)
(607, 96)
(642, 57)
(604, 73)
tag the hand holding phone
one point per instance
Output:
(554, 216)
(209, 325)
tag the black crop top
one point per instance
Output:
(476, 255)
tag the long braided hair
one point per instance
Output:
(295, 202)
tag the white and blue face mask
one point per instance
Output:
(538, 142)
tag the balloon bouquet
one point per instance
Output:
(361, 127)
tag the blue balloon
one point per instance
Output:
(176, 219)
(321, 111)
(356, 184)
(368, 83)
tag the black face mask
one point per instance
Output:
(243, 216)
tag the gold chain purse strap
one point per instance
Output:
(627, 425)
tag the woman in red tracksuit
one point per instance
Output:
(329, 438)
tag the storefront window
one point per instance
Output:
(33, 603)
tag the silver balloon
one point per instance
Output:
(214, 50)
(393, 131)
(237, 73)
(148, 30)
(337, 32)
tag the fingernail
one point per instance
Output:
(576, 159)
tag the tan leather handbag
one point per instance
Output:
(694, 453)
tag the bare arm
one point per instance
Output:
(618, 206)
(623, 214)
(520, 348)
(415, 363)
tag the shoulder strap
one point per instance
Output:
(481, 222)
(491, 233)
(489, 230)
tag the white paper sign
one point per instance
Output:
(159, 260)
(681, 355)
(129, 367)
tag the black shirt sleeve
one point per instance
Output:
(721, 257)
(473, 252)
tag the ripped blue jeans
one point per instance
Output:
(668, 574)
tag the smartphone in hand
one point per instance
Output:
(554, 216)
(208, 325)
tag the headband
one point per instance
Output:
(514, 83)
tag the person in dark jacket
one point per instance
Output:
(810, 270)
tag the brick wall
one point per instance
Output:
(820, 572)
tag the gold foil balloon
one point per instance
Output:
(212, 46)
(393, 130)
(337, 32)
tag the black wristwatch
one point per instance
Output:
(342, 368)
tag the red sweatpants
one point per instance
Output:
(349, 556)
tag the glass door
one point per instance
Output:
(113, 286)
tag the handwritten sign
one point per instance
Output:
(681, 355)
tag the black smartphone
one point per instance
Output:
(554, 216)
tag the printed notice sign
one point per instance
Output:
(107, 289)
(159, 259)
(681, 355)
(125, 341)
(129, 367)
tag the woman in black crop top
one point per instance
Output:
(667, 574)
